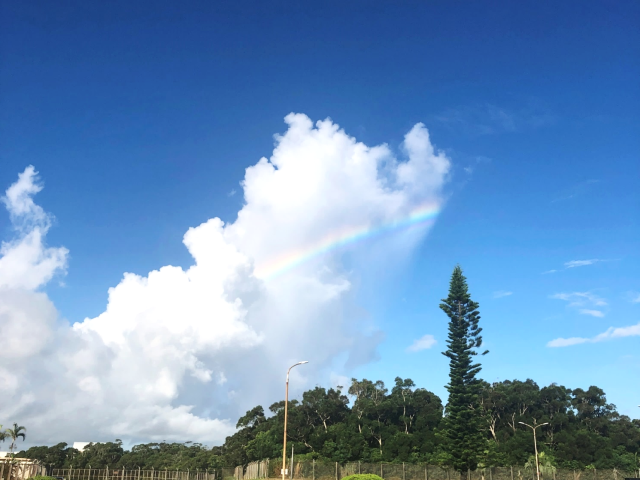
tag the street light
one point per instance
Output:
(286, 403)
(535, 443)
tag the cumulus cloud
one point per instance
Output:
(422, 343)
(609, 334)
(179, 353)
(593, 313)
(25, 261)
(501, 293)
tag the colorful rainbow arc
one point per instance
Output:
(340, 238)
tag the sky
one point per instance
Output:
(199, 194)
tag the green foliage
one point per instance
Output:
(401, 425)
(464, 437)
(405, 424)
(14, 434)
(363, 476)
(158, 456)
(42, 477)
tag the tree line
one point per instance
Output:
(370, 422)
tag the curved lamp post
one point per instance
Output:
(535, 443)
(286, 403)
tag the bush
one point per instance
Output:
(363, 476)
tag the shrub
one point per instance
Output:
(363, 476)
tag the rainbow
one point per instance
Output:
(424, 214)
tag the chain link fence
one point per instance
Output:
(312, 470)
(316, 470)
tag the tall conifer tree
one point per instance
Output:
(465, 441)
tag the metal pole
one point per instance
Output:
(286, 404)
(284, 445)
(535, 446)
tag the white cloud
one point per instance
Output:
(580, 299)
(422, 343)
(548, 272)
(635, 298)
(25, 261)
(501, 293)
(567, 342)
(178, 352)
(593, 313)
(580, 263)
(610, 334)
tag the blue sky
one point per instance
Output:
(141, 120)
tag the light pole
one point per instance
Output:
(286, 403)
(535, 442)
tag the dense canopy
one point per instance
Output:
(371, 422)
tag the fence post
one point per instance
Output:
(313, 469)
(491, 474)
(469, 474)
(336, 470)
(403, 474)
(381, 470)
(426, 472)
(512, 472)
